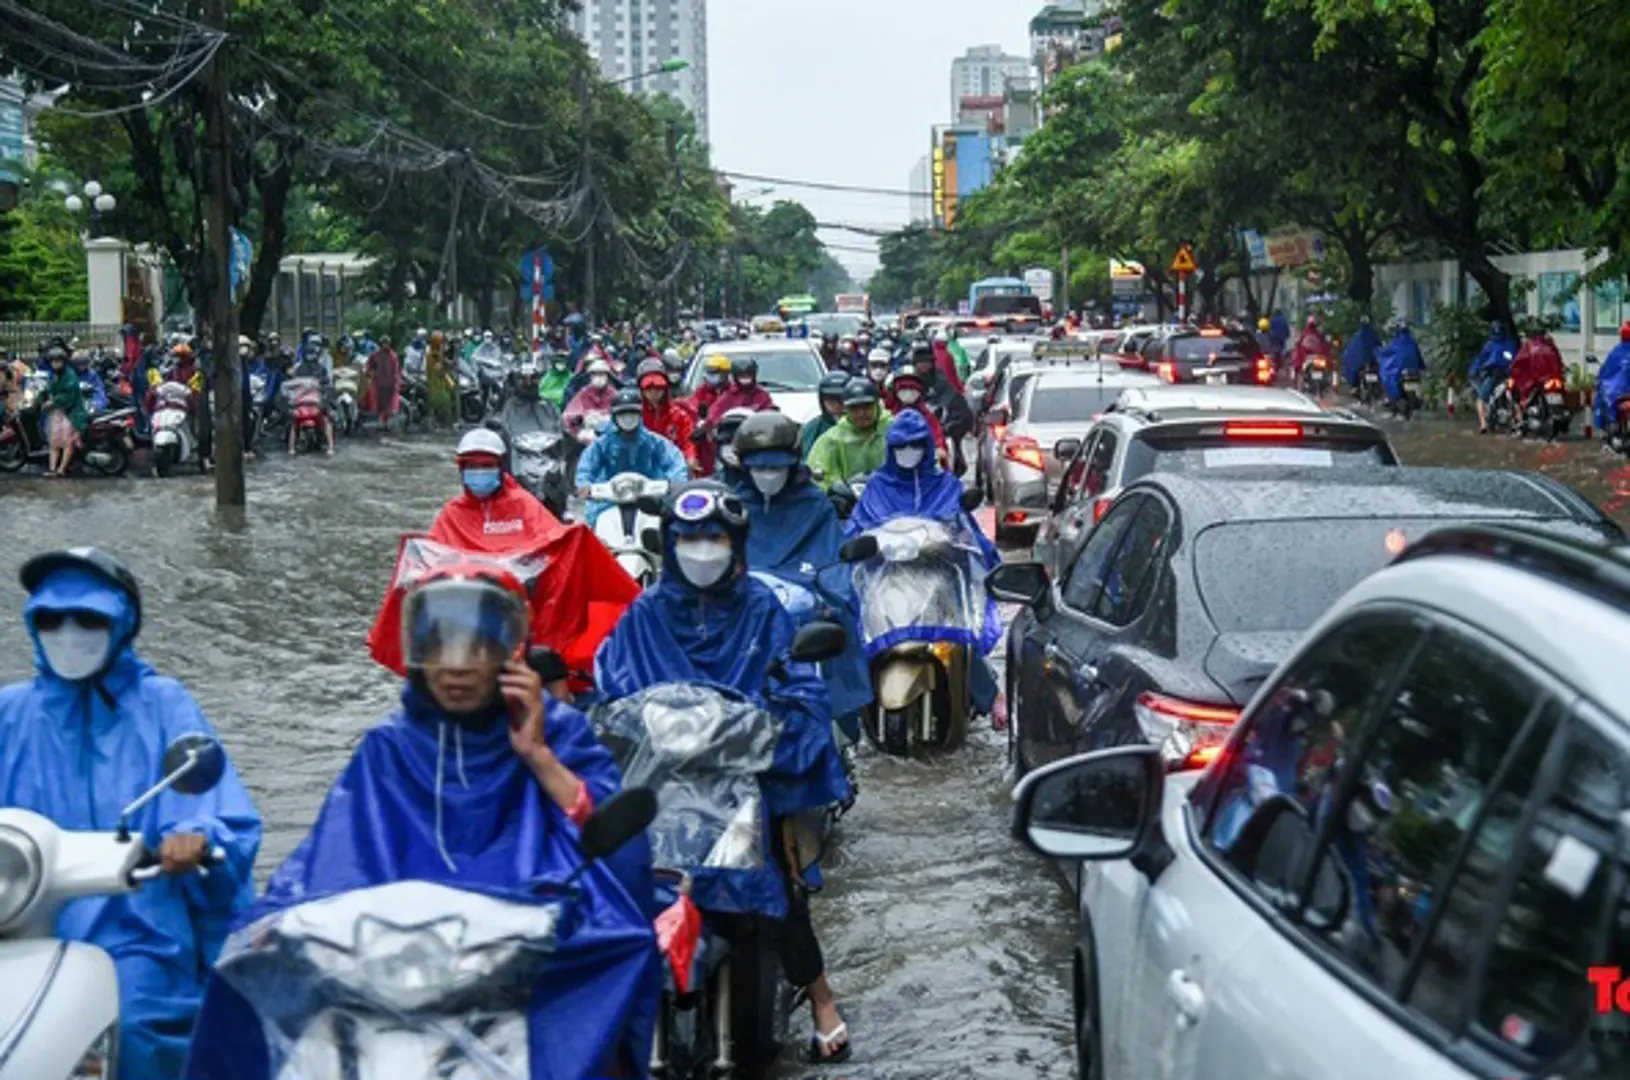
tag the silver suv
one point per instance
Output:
(1411, 859)
(1193, 429)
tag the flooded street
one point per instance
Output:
(948, 945)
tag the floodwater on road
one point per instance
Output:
(947, 943)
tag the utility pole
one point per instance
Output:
(228, 375)
(587, 121)
(1063, 282)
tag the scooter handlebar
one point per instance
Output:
(150, 867)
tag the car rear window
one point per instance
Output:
(1062, 404)
(1144, 457)
(1280, 576)
(1203, 348)
(1008, 305)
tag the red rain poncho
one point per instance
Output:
(511, 520)
(1536, 361)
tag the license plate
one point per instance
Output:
(1553, 399)
(1371, 377)
(1216, 379)
(1411, 385)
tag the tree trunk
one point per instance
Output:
(274, 196)
(401, 266)
(1495, 283)
(1361, 280)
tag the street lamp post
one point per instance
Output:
(101, 202)
(669, 66)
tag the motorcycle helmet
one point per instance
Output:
(674, 365)
(1262, 325)
(90, 560)
(1624, 330)
(704, 535)
(768, 438)
(627, 410)
(861, 391)
(744, 370)
(907, 387)
(724, 434)
(463, 620)
(832, 385)
(183, 350)
(480, 446)
(651, 373)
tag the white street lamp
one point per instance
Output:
(92, 189)
(104, 203)
(74, 204)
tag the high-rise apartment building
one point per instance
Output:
(630, 38)
(983, 72)
(922, 192)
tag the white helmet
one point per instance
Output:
(486, 335)
(481, 441)
(421, 332)
(598, 366)
(879, 355)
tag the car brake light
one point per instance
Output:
(1211, 331)
(1100, 507)
(1189, 734)
(1024, 450)
(1167, 371)
(1262, 430)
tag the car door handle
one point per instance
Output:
(1187, 996)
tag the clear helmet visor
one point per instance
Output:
(462, 623)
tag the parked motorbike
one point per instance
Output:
(305, 398)
(724, 1003)
(415, 978)
(923, 614)
(347, 384)
(106, 446)
(60, 1010)
(630, 527)
(1546, 411)
(173, 440)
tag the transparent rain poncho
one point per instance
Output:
(413, 980)
(702, 752)
(926, 583)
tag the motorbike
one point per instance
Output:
(1409, 400)
(1502, 410)
(305, 398)
(347, 383)
(415, 397)
(472, 405)
(923, 620)
(106, 446)
(61, 1009)
(173, 440)
(1316, 377)
(1369, 385)
(415, 978)
(725, 1005)
(492, 378)
(1546, 411)
(630, 527)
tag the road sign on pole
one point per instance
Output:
(1183, 262)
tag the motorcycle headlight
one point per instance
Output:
(21, 870)
(100, 1059)
(465, 382)
(628, 487)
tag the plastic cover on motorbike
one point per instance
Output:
(1612, 383)
(301, 391)
(702, 751)
(672, 633)
(926, 583)
(577, 591)
(428, 906)
(172, 395)
(1398, 356)
(1359, 352)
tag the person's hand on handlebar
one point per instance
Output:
(182, 852)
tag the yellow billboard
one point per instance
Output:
(948, 153)
(939, 185)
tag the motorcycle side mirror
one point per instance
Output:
(817, 641)
(843, 498)
(650, 505)
(548, 663)
(858, 549)
(971, 499)
(614, 823)
(651, 540)
(192, 764)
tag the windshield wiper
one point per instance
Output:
(771, 385)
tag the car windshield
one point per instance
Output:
(823, 323)
(795, 369)
(1200, 347)
(1062, 404)
(1313, 563)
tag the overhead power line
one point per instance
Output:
(823, 185)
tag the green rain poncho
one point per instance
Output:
(552, 387)
(846, 452)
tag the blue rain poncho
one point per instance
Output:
(1359, 352)
(427, 799)
(1612, 383)
(1496, 354)
(725, 638)
(791, 537)
(645, 452)
(78, 753)
(1399, 355)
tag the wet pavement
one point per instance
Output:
(948, 944)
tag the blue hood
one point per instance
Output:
(1359, 352)
(72, 589)
(792, 536)
(1612, 383)
(1401, 354)
(421, 791)
(926, 491)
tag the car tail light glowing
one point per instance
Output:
(1189, 734)
(1100, 507)
(1264, 370)
(1211, 331)
(998, 431)
(1014, 517)
(1262, 429)
(1167, 371)
(1025, 451)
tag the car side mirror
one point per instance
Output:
(617, 821)
(858, 549)
(971, 499)
(818, 641)
(1018, 582)
(1096, 806)
(1065, 449)
(651, 506)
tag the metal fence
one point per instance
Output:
(25, 337)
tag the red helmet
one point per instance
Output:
(1624, 330)
(464, 613)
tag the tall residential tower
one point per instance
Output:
(630, 37)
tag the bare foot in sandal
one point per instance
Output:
(830, 1043)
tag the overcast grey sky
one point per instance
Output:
(842, 91)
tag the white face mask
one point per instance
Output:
(626, 422)
(909, 457)
(770, 481)
(599, 381)
(74, 652)
(703, 560)
(910, 397)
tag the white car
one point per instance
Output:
(789, 368)
(1411, 859)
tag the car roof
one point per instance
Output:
(1290, 493)
(1086, 374)
(758, 345)
(1164, 398)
